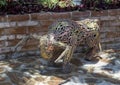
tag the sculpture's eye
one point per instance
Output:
(89, 28)
(94, 35)
(76, 31)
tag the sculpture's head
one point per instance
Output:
(48, 49)
(91, 24)
(45, 44)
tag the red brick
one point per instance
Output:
(27, 23)
(2, 56)
(66, 15)
(107, 18)
(117, 39)
(80, 14)
(110, 42)
(20, 36)
(112, 34)
(110, 29)
(115, 46)
(40, 16)
(2, 43)
(7, 24)
(1, 31)
(45, 28)
(7, 37)
(12, 42)
(102, 35)
(99, 13)
(5, 50)
(29, 47)
(106, 40)
(37, 29)
(18, 30)
(18, 17)
(46, 22)
(32, 42)
(105, 23)
(115, 23)
(3, 18)
(28, 53)
(114, 12)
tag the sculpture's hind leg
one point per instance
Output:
(91, 53)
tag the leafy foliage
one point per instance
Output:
(101, 4)
(66, 3)
(49, 3)
(32, 6)
(3, 3)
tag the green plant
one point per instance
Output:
(108, 1)
(49, 3)
(2, 3)
(101, 4)
(66, 3)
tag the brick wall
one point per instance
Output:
(15, 27)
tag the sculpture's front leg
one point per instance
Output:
(63, 54)
(67, 66)
(66, 56)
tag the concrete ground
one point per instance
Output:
(33, 71)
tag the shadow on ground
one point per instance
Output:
(27, 71)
